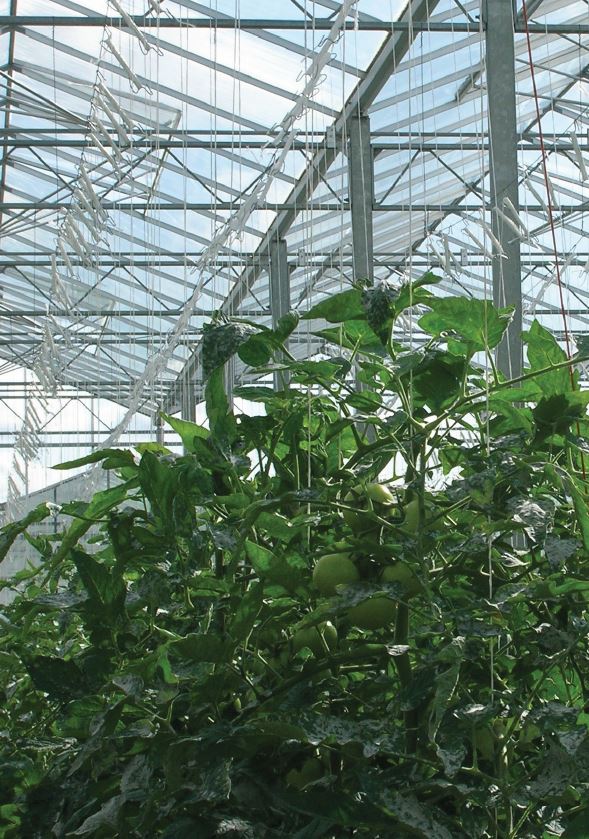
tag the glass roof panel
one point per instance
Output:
(142, 165)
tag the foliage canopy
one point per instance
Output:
(157, 675)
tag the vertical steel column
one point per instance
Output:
(361, 192)
(188, 401)
(159, 429)
(500, 69)
(279, 295)
(229, 377)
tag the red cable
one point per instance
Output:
(550, 210)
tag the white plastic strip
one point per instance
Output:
(136, 84)
(145, 47)
(579, 156)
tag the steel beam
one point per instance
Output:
(279, 296)
(361, 196)
(291, 207)
(8, 22)
(504, 174)
(212, 144)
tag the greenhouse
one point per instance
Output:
(294, 432)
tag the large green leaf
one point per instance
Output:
(220, 342)
(186, 430)
(347, 305)
(544, 351)
(113, 459)
(221, 419)
(477, 322)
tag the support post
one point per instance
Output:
(361, 193)
(159, 429)
(188, 402)
(279, 295)
(503, 139)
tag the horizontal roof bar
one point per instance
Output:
(531, 144)
(155, 206)
(164, 22)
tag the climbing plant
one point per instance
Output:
(361, 612)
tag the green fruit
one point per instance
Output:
(364, 498)
(356, 520)
(311, 637)
(411, 522)
(374, 613)
(379, 494)
(237, 704)
(401, 573)
(311, 770)
(333, 570)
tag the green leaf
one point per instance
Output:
(100, 504)
(477, 322)
(555, 414)
(115, 458)
(286, 326)
(276, 525)
(187, 431)
(418, 818)
(544, 351)
(355, 334)
(59, 677)
(10, 532)
(581, 510)
(105, 588)
(221, 420)
(257, 350)
(159, 482)
(256, 394)
(247, 612)
(270, 567)
(105, 819)
(220, 342)
(577, 827)
(196, 647)
(446, 684)
(347, 305)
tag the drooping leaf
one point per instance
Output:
(114, 459)
(220, 342)
(221, 419)
(10, 532)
